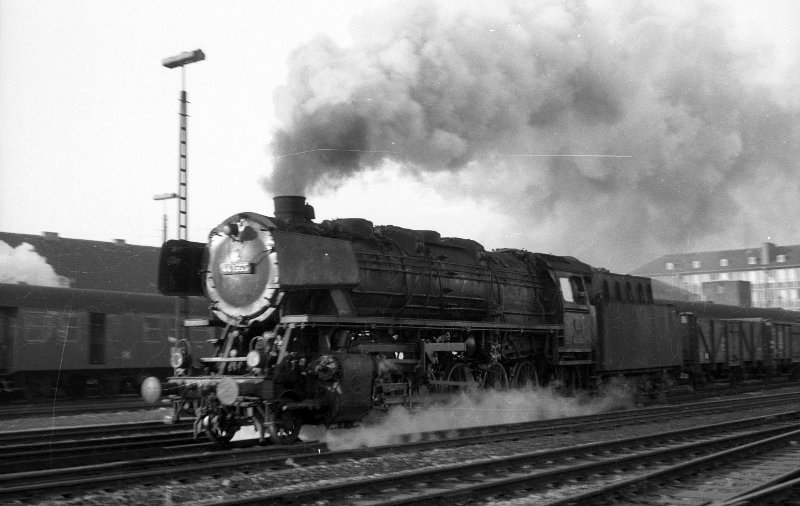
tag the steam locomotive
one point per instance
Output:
(320, 323)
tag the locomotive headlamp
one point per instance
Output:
(179, 359)
(176, 360)
(254, 359)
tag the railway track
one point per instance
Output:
(84, 433)
(540, 477)
(42, 469)
(43, 449)
(724, 388)
(65, 408)
(52, 448)
(760, 472)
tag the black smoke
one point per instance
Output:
(611, 131)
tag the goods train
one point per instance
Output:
(322, 322)
(76, 341)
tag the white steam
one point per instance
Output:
(22, 265)
(478, 409)
(531, 104)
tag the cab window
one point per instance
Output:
(573, 290)
(566, 290)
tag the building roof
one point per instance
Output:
(93, 265)
(710, 261)
(664, 292)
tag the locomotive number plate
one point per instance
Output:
(236, 268)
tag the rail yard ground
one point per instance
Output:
(297, 474)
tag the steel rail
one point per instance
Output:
(34, 436)
(37, 409)
(769, 494)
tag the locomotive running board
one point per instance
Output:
(415, 323)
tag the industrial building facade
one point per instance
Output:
(773, 273)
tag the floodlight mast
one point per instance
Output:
(181, 60)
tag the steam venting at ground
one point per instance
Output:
(478, 409)
(590, 125)
(22, 265)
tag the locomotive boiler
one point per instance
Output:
(320, 323)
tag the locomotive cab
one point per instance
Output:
(574, 352)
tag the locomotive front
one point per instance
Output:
(249, 264)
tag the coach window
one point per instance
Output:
(56, 326)
(628, 291)
(640, 292)
(606, 294)
(97, 338)
(153, 328)
(617, 291)
(649, 294)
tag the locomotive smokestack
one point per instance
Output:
(293, 208)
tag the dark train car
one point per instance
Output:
(636, 335)
(71, 340)
(722, 340)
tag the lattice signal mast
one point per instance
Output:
(172, 62)
(181, 60)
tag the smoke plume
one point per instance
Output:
(22, 265)
(613, 132)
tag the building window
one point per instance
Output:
(751, 260)
(695, 264)
(781, 258)
(723, 262)
(670, 266)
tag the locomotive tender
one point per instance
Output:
(322, 322)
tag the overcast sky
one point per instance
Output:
(615, 132)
